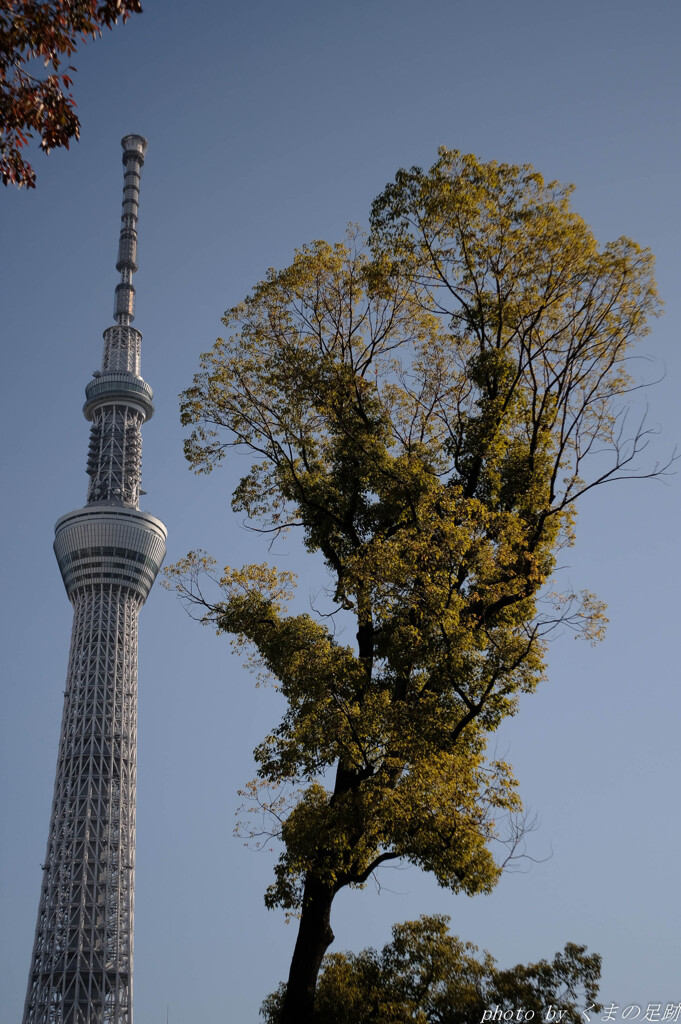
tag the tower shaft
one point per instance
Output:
(82, 960)
(109, 554)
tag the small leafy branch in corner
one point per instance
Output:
(35, 34)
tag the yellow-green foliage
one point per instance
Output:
(424, 410)
(427, 976)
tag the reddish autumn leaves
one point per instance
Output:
(36, 38)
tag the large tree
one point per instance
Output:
(427, 976)
(427, 413)
(38, 36)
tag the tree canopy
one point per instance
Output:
(427, 976)
(426, 410)
(36, 35)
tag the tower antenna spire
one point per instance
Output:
(135, 148)
(109, 554)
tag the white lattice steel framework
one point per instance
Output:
(109, 554)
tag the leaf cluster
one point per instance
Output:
(35, 33)
(427, 976)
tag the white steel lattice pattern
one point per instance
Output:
(122, 349)
(115, 455)
(82, 967)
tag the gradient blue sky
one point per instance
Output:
(270, 125)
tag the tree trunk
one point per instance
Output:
(314, 938)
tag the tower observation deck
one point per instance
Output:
(109, 554)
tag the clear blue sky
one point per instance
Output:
(269, 125)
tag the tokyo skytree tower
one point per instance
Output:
(109, 554)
